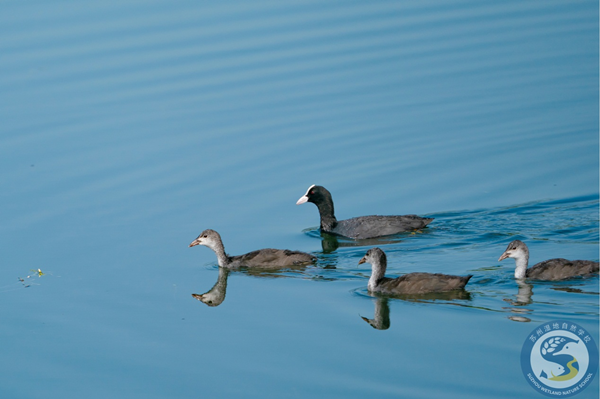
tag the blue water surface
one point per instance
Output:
(129, 127)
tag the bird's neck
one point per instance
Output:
(521, 261)
(222, 257)
(377, 273)
(326, 212)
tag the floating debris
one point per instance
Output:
(34, 273)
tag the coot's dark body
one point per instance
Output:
(550, 270)
(561, 269)
(409, 284)
(421, 283)
(361, 227)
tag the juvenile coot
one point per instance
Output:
(359, 227)
(552, 269)
(409, 284)
(265, 258)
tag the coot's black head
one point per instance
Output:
(316, 195)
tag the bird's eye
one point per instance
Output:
(312, 192)
(204, 236)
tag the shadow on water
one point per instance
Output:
(524, 295)
(216, 295)
(575, 290)
(522, 298)
(523, 303)
(331, 242)
(381, 318)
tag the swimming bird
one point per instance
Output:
(265, 258)
(552, 269)
(359, 227)
(409, 284)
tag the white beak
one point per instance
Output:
(302, 200)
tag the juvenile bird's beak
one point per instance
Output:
(504, 256)
(363, 260)
(195, 242)
(302, 200)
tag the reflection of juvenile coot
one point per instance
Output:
(381, 319)
(216, 295)
(412, 283)
(552, 269)
(359, 227)
(266, 258)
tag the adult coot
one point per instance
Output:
(359, 227)
(552, 269)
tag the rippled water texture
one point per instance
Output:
(129, 127)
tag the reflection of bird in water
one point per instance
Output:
(412, 283)
(523, 297)
(520, 319)
(552, 269)
(216, 295)
(265, 258)
(381, 319)
(524, 293)
(359, 227)
(331, 242)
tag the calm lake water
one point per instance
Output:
(129, 127)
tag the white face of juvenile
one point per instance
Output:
(374, 256)
(208, 238)
(514, 250)
(366, 259)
